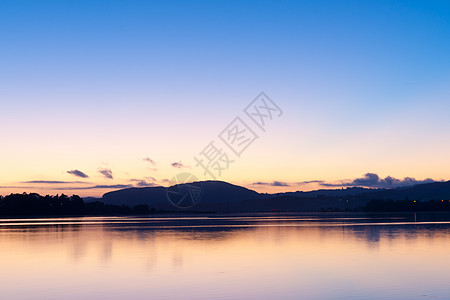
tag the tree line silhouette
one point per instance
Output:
(407, 205)
(35, 204)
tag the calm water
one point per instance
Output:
(327, 256)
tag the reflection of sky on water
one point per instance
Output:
(255, 257)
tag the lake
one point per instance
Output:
(265, 256)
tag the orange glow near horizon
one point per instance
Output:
(280, 254)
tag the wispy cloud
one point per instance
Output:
(107, 173)
(273, 183)
(151, 163)
(150, 178)
(146, 182)
(13, 187)
(107, 186)
(78, 173)
(309, 182)
(52, 182)
(179, 165)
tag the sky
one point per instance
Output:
(100, 95)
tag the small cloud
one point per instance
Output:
(78, 173)
(52, 182)
(112, 186)
(69, 188)
(144, 182)
(309, 182)
(106, 172)
(151, 161)
(283, 183)
(150, 178)
(273, 183)
(178, 165)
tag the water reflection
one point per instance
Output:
(326, 256)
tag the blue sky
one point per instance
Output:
(106, 83)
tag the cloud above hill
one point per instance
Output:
(52, 182)
(273, 183)
(372, 180)
(107, 173)
(179, 165)
(151, 163)
(368, 180)
(77, 173)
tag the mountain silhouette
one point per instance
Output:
(211, 196)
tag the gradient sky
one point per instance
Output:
(100, 85)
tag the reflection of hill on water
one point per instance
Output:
(369, 227)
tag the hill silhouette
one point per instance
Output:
(219, 196)
(223, 196)
(215, 195)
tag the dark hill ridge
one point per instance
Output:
(329, 193)
(152, 196)
(426, 191)
(223, 196)
(215, 195)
